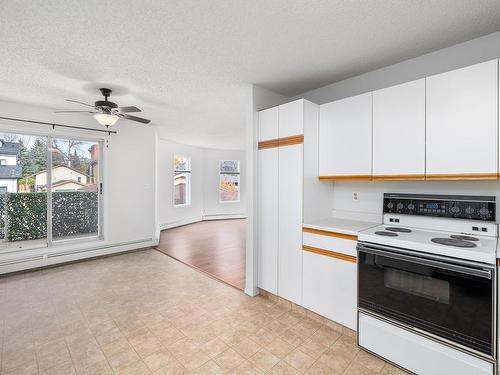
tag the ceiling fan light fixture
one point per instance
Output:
(106, 119)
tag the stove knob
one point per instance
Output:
(411, 206)
(484, 211)
(469, 210)
(455, 210)
(390, 205)
(399, 206)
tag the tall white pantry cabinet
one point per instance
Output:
(287, 179)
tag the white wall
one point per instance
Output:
(129, 186)
(369, 203)
(170, 216)
(204, 184)
(212, 206)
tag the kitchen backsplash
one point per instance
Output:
(363, 200)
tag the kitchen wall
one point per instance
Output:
(128, 183)
(369, 203)
(204, 184)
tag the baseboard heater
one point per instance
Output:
(80, 251)
(21, 260)
(55, 255)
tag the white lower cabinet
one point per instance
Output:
(329, 288)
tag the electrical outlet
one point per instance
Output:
(355, 196)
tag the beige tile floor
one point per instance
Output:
(143, 313)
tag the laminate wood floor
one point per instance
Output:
(215, 247)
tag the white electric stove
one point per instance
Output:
(427, 284)
(459, 240)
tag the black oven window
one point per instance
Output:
(418, 285)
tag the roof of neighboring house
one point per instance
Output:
(89, 188)
(61, 166)
(11, 171)
(9, 148)
(64, 182)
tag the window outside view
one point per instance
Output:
(25, 181)
(229, 181)
(182, 180)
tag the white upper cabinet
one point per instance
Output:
(291, 118)
(268, 124)
(345, 137)
(462, 126)
(399, 131)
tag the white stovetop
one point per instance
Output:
(420, 240)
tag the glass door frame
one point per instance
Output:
(100, 216)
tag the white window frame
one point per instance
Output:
(188, 181)
(233, 173)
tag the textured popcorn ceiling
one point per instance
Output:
(186, 63)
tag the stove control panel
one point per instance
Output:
(452, 206)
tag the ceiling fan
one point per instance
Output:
(107, 113)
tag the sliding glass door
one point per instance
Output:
(74, 189)
(49, 190)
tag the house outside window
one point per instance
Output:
(182, 181)
(229, 181)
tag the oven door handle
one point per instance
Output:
(485, 274)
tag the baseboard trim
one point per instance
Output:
(180, 223)
(252, 292)
(224, 217)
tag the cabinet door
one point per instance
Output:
(345, 137)
(268, 220)
(268, 124)
(290, 223)
(462, 122)
(291, 118)
(330, 288)
(399, 131)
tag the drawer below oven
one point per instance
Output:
(416, 353)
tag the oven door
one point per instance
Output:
(449, 300)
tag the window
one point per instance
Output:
(182, 180)
(229, 181)
(3, 162)
(42, 196)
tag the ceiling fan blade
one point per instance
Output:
(128, 109)
(75, 112)
(135, 118)
(77, 102)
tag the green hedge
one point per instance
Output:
(25, 214)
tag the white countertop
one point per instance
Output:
(337, 225)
